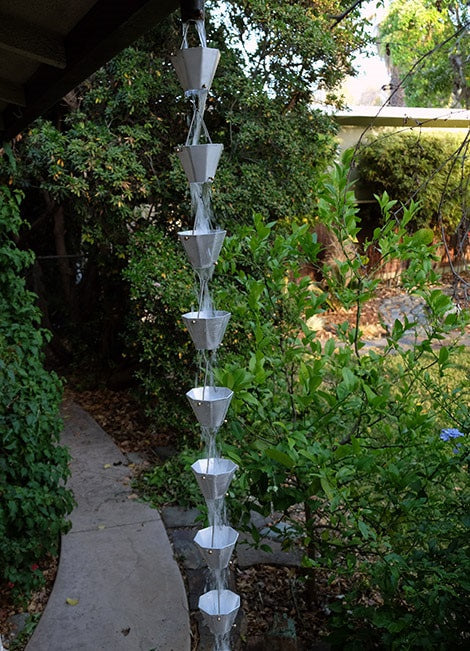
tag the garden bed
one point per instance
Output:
(274, 599)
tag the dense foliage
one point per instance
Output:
(348, 434)
(161, 288)
(108, 148)
(431, 169)
(431, 41)
(33, 499)
(298, 47)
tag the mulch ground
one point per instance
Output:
(276, 609)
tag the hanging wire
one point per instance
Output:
(198, 100)
(207, 360)
(201, 32)
(201, 207)
(184, 44)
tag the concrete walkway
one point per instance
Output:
(116, 566)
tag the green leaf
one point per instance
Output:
(327, 488)
(355, 444)
(248, 398)
(349, 378)
(443, 355)
(364, 529)
(329, 347)
(281, 457)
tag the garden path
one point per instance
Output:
(118, 586)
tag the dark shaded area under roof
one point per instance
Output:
(47, 47)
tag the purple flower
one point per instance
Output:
(450, 433)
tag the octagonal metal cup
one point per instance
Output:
(216, 545)
(196, 66)
(202, 249)
(207, 329)
(213, 476)
(200, 161)
(219, 609)
(210, 404)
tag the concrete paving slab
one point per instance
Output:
(178, 516)
(116, 561)
(184, 548)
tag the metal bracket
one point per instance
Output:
(192, 10)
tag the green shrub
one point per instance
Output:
(431, 169)
(161, 289)
(348, 433)
(33, 500)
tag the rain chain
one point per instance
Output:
(195, 67)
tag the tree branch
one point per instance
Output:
(345, 13)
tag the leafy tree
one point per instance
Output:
(108, 149)
(297, 47)
(430, 39)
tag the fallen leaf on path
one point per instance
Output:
(71, 602)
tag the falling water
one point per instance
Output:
(216, 509)
(207, 362)
(203, 216)
(205, 302)
(197, 125)
(201, 32)
(203, 223)
(222, 642)
(209, 437)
